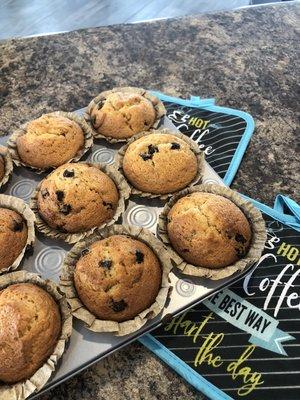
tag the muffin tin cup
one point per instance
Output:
(194, 147)
(18, 205)
(88, 141)
(8, 165)
(22, 390)
(124, 193)
(81, 312)
(253, 215)
(158, 105)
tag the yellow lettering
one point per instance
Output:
(293, 254)
(205, 351)
(199, 123)
(205, 124)
(186, 326)
(192, 120)
(283, 249)
(200, 327)
(175, 323)
(251, 379)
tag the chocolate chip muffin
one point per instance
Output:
(160, 163)
(77, 197)
(117, 278)
(50, 141)
(30, 324)
(13, 236)
(122, 114)
(208, 230)
(2, 167)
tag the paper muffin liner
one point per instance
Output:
(124, 193)
(253, 215)
(88, 141)
(8, 165)
(194, 147)
(157, 103)
(18, 205)
(81, 312)
(22, 390)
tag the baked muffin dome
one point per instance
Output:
(117, 278)
(123, 114)
(208, 230)
(50, 141)
(159, 163)
(30, 324)
(77, 197)
(13, 236)
(2, 167)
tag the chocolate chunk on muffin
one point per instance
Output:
(122, 114)
(160, 163)
(50, 141)
(77, 197)
(2, 167)
(208, 230)
(117, 278)
(30, 324)
(13, 236)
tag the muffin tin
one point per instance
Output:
(86, 347)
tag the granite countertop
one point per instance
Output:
(246, 59)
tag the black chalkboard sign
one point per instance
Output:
(245, 340)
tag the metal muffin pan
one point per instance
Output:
(86, 347)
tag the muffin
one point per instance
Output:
(160, 163)
(77, 197)
(117, 278)
(30, 325)
(2, 167)
(13, 236)
(208, 230)
(124, 112)
(50, 141)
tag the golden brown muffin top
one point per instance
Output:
(123, 114)
(160, 163)
(50, 141)
(117, 278)
(30, 324)
(208, 230)
(13, 236)
(77, 197)
(2, 167)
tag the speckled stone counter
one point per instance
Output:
(248, 59)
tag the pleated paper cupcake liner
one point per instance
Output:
(124, 193)
(253, 215)
(81, 312)
(18, 205)
(8, 165)
(88, 141)
(99, 100)
(22, 390)
(194, 147)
